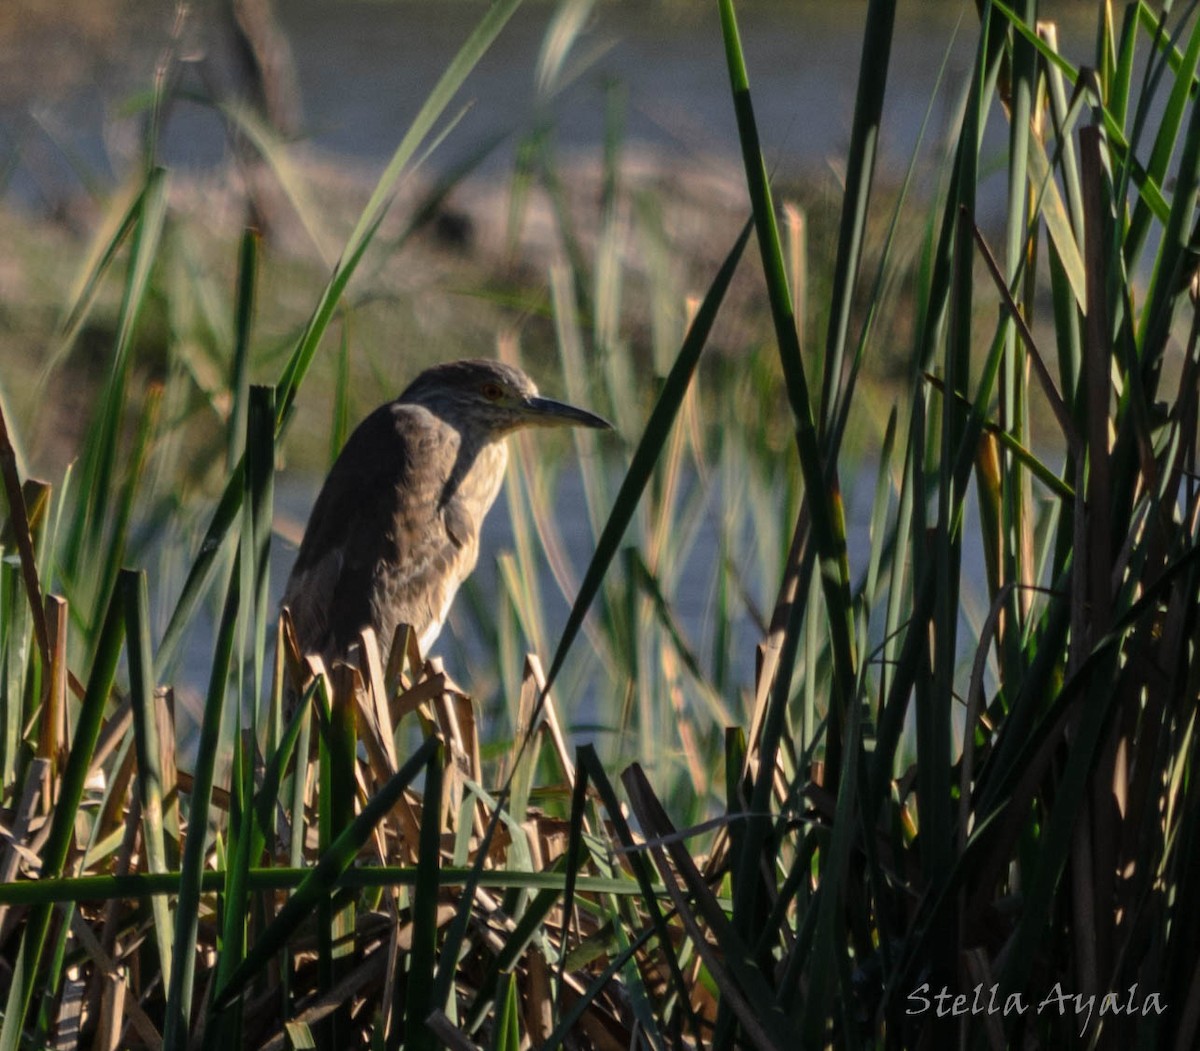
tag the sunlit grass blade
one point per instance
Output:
(288, 174)
(1168, 120)
(439, 98)
(120, 221)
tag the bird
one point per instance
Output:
(395, 527)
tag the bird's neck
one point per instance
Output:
(477, 473)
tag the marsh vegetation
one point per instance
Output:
(857, 780)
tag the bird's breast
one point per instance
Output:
(435, 538)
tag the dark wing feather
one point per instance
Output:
(348, 534)
(382, 546)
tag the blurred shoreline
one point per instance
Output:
(647, 80)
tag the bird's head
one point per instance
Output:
(491, 398)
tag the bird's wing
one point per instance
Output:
(375, 542)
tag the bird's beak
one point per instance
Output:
(547, 412)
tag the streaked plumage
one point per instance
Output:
(395, 528)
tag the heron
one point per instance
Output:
(395, 528)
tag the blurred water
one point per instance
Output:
(365, 68)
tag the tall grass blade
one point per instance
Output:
(100, 458)
(187, 909)
(239, 380)
(18, 516)
(135, 596)
(418, 1000)
(821, 485)
(860, 171)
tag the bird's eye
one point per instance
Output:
(492, 391)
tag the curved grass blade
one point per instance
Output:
(114, 231)
(439, 98)
(100, 458)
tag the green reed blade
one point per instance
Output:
(112, 235)
(100, 458)
(860, 172)
(1168, 119)
(239, 380)
(1149, 188)
(135, 596)
(187, 909)
(123, 515)
(422, 958)
(885, 272)
(258, 516)
(821, 485)
(507, 1034)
